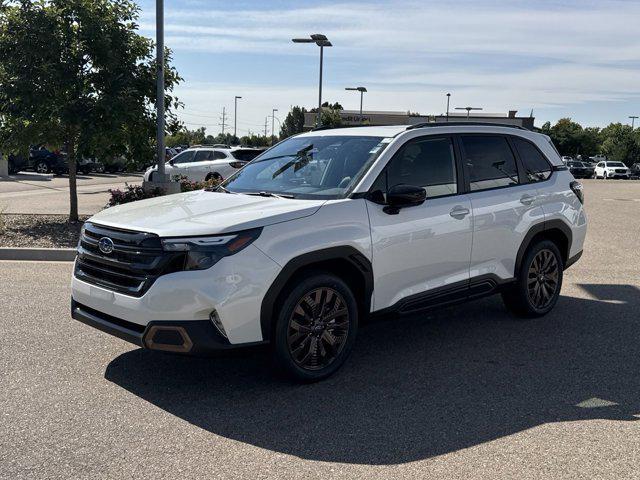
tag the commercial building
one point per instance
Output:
(353, 117)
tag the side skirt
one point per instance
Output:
(459, 292)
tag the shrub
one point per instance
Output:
(132, 193)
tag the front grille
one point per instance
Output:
(136, 261)
(620, 170)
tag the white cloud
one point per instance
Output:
(499, 55)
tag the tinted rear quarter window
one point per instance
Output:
(245, 155)
(489, 162)
(536, 166)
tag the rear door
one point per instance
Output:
(197, 169)
(425, 247)
(505, 205)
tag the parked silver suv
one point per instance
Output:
(330, 227)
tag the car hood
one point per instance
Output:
(204, 213)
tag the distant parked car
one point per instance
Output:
(16, 163)
(42, 160)
(610, 169)
(205, 163)
(635, 170)
(566, 159)
(115, 164)
(580, 169)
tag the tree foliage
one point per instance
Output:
(293, 123)
(75, 73)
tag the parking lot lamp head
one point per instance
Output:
(322, 41)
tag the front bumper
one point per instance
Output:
(194, 337)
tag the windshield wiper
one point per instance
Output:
(269, 194)
(218, 188)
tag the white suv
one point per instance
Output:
(611, 169)
(328, 228)
(204, 163)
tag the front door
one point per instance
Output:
(425, 247)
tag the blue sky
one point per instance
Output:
(576, 58)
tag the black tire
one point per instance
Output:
(41, 167)
(213, 176)
(536, 290)
(310, 344)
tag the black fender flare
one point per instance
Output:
(543, 226)
(342, 253)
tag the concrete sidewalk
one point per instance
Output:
(46, 194)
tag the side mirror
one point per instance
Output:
(402, 196)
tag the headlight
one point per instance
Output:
(200, 253)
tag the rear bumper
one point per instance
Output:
(191, 337)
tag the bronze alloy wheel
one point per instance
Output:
(318, 328)
(542, 279)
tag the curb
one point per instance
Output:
(39, 254)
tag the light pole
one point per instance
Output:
(361, 90)
(633, 121)
(468, 109)
(448, 98)
(160, 90)
(322, 41)
(273, 116)
(235, 116)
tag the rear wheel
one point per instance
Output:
(316, 327)
(537, 288)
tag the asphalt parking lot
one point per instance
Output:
(465, 392)
(28, 192)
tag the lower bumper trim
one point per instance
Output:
(199, 337)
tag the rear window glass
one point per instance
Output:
(245, 155)
(490, 162)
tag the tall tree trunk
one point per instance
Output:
(73, 190)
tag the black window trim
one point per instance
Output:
(460, 180)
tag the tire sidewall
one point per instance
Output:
(522, 281)
(299, 289)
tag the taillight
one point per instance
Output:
(578, 189)
(237, 164)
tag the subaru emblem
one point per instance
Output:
(105, 245)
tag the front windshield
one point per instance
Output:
(615, 164)
(323, 167)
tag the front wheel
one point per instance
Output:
(539, 281)
(42, 167)
(316, 327)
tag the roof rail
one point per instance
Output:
(463, 124)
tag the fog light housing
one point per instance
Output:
(215, 319)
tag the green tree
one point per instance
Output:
(621, 143)
(75, 73)
(330, 117)
(293, 123)
(184, 136)
(567, 136)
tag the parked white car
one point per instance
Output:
(204, 163)
(611, 169)
(327, 228)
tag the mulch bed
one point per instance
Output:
(38, 231)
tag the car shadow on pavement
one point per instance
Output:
(416, 387)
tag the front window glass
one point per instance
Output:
(309, 166)
(424, 162)
(615, 164)
(184, 157)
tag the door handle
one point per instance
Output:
(459, 212)
(527, 199)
